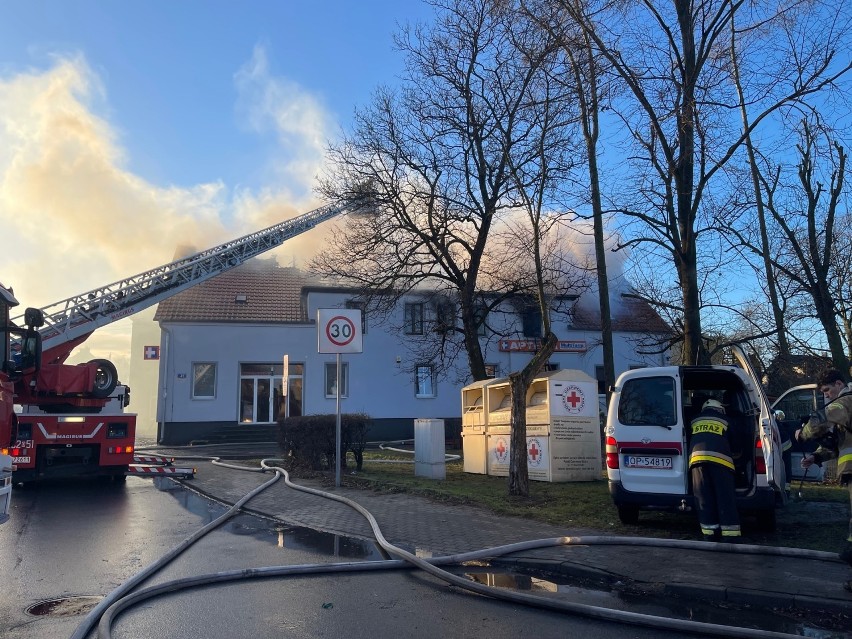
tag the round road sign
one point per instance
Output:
(340, 330)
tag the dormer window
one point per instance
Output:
(241, 298)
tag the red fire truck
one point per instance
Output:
(59, 432)
(62, 429)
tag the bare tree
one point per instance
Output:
(584, 81)
(671, 56)
(475, 133)
(805, 214)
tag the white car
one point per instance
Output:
(647, 439)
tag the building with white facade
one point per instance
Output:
(223, 342)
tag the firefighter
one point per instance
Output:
(832, 429)
(711, 465)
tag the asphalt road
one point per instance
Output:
(77, 541)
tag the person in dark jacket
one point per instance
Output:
(711, 466)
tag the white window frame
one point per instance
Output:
(330, 379)
(419, 378)
(195, 374)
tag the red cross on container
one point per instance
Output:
(501, 448)
(534, 451)
(573, 399)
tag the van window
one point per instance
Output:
(648, 400)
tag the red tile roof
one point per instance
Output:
(631, 316)
(271, 294)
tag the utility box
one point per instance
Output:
(474, 401)
(430, 449)
(5, 487)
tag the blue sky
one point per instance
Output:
(169, 69)
(131, 130)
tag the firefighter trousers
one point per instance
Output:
(716, 500)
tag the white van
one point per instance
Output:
(647, 439)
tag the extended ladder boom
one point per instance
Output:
(78, 316)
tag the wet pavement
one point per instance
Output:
(807, 591)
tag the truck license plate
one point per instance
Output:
(648, 461)
(20, 460)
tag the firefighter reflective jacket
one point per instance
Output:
(710, 442)
(838, 416)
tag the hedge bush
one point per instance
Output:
(309, 441)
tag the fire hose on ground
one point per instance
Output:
(123, 597)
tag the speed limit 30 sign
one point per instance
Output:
(339, 331)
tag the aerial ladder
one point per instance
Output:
(68, 430)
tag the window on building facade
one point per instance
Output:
(413, 318)
(204, 380)
(331, 379)
(445, 316)
(480, 313)
(359, 306)
(531, 319)
(261, 396)
(425, 380)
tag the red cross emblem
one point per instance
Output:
(573, 399)
(534, 451)
(501, 449)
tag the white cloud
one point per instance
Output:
(299, 121)
(73, 217)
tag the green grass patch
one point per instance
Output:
(817, 521)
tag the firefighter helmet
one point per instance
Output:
(715, 404)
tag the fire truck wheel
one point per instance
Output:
(106, 378)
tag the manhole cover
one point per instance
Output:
(64, 607)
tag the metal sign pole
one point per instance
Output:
(339, 331)
(338, 434)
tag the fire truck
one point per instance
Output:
(62, 429)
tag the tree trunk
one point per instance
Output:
(519, 479)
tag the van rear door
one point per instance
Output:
(770, 437)
(648, 427)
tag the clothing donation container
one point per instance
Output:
(563, 427)
(498, 404)
(474, 426)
